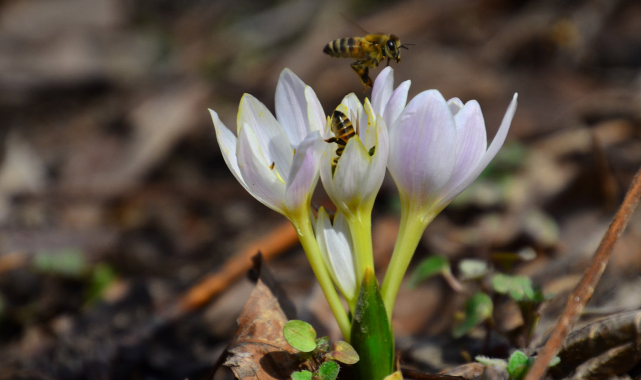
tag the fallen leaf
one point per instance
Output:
(259, 349)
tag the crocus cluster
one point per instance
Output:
(433, 148)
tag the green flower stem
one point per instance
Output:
(413, 224)
(307, 238)
(361, 229)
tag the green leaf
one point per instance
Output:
(302, 375)
(322, 344)
(300, 335)
(478, 309)
(68, 262)
(395, 376)
(518, 365)
(429, 267)
(328, 370)
(343, 352)
(371, 332)
(472, 269)
(519, 288)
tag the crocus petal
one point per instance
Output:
(455, 105)
(376, 175)
(497, 143)
(227, 143)
(422, 151)
(291, 107)
(382, 90)
(262, 182)
(396, 103)
(335, 244)
(368, 133)
(471, 142)
(304, 172)
(273, 140)
(315, 113)
(345, 186)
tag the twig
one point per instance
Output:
(277, 241)
(591, 277)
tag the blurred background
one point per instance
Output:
(115, 200)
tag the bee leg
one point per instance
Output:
(363, 72)
(387, 61)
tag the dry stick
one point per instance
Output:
(591, 277)
(277, 241)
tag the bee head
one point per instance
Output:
(393, 48)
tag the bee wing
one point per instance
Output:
(355, 24)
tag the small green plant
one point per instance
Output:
(479, 279)
(517, 365)
(317, 354)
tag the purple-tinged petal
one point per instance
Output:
(273, 140)
(291, 107)
(304, 172)
(263, 181)
(455, 105)
(471, 142)
(396, 103)
(497, 143)
(422, 151)
(382, 90)
(227, 143)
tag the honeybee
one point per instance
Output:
(368, 51)
(343, 131)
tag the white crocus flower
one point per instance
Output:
(358, 176)
(335, 242)
(437, 149)
(276, 159)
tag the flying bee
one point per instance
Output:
(343, 131)
(368, 51)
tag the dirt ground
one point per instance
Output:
(115, 200)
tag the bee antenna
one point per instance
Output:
(405, 46)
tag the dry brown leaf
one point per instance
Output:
(259, 350)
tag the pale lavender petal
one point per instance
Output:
(396, 103)
(497, 143)
(455, 105)
(227, 143)
(471, 142)
(315, 113)
(422, 151)
(273, 140)
(382, 90)
(291, 106)
(304, 172)
(262, 181)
